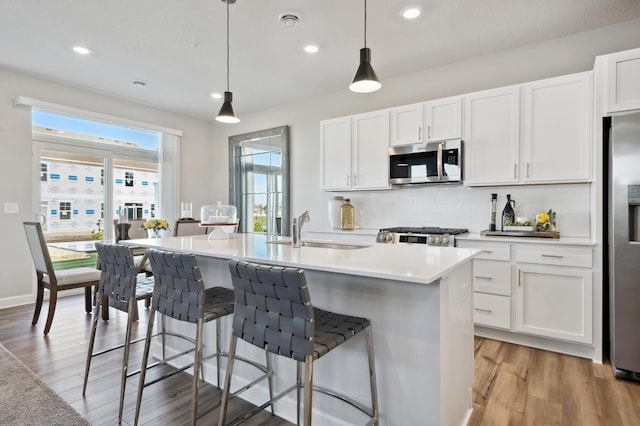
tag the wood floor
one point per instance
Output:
(517, 385)
(514, 385)
(59, 360)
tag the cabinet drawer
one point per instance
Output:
(491, 276)
(555, 255)
(490, 251)
(494, 311)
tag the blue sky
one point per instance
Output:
(145, 140)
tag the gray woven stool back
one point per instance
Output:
(273, 309)
(118, 278)
(179, 289)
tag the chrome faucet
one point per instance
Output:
(296, 228)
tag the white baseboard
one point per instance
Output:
(9, 302)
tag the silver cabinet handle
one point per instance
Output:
(429, 131)
(515, 171)
(355, 180)
(554, 256)
(487, 251)
(488, 311)
(348, 180)
(528, 169)
(419, 133)
(482, 278)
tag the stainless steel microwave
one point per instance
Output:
(433, 162)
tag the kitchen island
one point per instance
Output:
(418, 299)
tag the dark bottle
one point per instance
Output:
(508, 214)
(492, 212)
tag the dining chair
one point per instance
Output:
(55, 281)
(186, 227)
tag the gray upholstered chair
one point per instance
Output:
(179, 293)
(55, 281)
(186, 227)
(273, 310)
(121, 281)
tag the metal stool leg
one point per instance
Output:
(196, 366)
(308, 389)
(298, 389)
(143, 366)
(218, 352)
(372, 376)
(269, 377)
(227, 382)
(92, 339)
(125, 359)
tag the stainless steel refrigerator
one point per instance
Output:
(623, 217)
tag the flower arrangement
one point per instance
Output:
(546, 222)
(155, 225)
(98, 234)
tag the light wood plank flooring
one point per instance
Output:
(517, 385)
(514, 385)
(59, 360)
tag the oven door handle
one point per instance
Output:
(440, 163)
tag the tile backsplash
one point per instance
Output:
(465, 207)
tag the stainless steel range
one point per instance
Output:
(431, 236)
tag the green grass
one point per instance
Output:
(76, 263)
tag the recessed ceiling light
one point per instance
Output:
(81, 50)
(411, 12)
(311, 48)
(216, 96)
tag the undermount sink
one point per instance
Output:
(322, 244)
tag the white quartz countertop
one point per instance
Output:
(569, 241)
(402, 262)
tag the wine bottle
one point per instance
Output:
(508, 214)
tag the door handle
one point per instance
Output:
(554, 256)
(488, 311)
(482, 278)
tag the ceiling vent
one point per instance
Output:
(290, 19)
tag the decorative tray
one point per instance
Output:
(534, 234)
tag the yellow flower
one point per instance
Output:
(543, 217)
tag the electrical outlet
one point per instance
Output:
(11, 208)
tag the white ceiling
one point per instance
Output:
(178, 46)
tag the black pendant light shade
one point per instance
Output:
(227, 113)
(365, 80)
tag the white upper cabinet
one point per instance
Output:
(335, 154)
(354, 152)
(443, 118)
(623, 81)
(557, 129)
(554, 145)
(492, 134)
(406, 125)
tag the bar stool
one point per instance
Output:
(179, 293)
(273, 311)
(120, 281)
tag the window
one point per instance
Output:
(44, 172)
(128, 178)
(259, 180)
(133, 210)
(102, 177)
(64, 210)
(153, 210)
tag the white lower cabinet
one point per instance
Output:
(540, 290)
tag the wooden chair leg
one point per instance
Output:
(53, 300)
(87, 299)
(39, 299)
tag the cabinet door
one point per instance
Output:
(492, 135)
(554, 302)
(623, 81)
(557, 129)
(406, 125)
(371, 155)
(444, 118)
(335, 154)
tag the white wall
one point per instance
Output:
(433, 206)
(16, 174)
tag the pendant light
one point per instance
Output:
(365, 80)
(227, 114)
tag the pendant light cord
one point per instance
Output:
(365, 23)
(227, 46)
